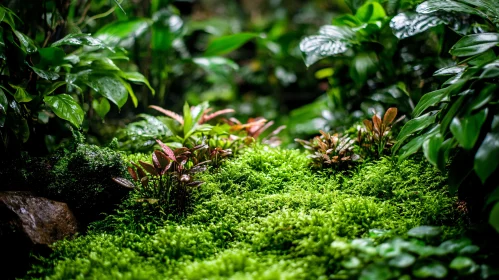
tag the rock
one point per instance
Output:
(30, 223)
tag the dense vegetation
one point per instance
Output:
(173, 129)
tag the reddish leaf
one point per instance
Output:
(149, 168)
(124, 182)
(141, 172)
(167, 150)
(162, 159)
(390, 115)
(369, 125)
(169, 113)
(206, 118)
(144, 181)
(155, 161)
(132, 173)
(377, 123)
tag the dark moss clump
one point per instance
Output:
(82, 177)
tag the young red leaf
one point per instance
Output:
(167, 150)
(140, 171)
(369, 125)
(149, 168)
(169, 113)
(162, 159)
(132, 173)
(390, 115)
(377, 123)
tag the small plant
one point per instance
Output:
(328, 150)
(376, 138)
(169, 180)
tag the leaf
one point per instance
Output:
(101, 106)
(486, 157)
(452, 70)
(110, 87)
(411, 147)
(389, 116)
(402, 261)
(167, 150)
(132, 173)
(430, 99)
(475, 44)
(370, 12)
(490, 70)
(433, 6)
(65, 107)
(44, 74)
(434, 269)
(149, 168)
(188, 122)
(218, 65)
(136, 77)
(416, 125)
(169, 113)
(354, 4)
(79, 40)
(451, 113)
(494, 217)
(124, 182)
(332, 40)
(461, 263)
(369, 125)
(51, 56)
(406, 25)
(123, 33)
(467, 129)
(431, 148)
(53, 87)
(26, 43)
(424, 231)
(4, 102)
(226, 44)
(21, 95)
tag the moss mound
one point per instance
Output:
(263, 215)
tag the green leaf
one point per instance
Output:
(3, 103)
(480, 59)
(486, 157)
(50, 56)
(354, 4)
(26, 43)
(402, 261)
(494, 217)
(123, 33)
(44, 74)
(218, 65)
(433, 6)
(362, 65)
(467, 129)
(332, 40)
(79, 40)
(430, 99)
(411, 147)
(434, 269)
(424, 231)
(370, 12)
(490, 70)
(475, 44)
(188, 122)
(101, 106)
(110, 87)
(226, 44)
(416, 125)
(65, 107)
(136, 77)
(21, 95)
(53, 87)
(461, 263)
(431, 148)
(406, 25)
(451, 113)
(130, 91)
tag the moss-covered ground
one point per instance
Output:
(262, 215)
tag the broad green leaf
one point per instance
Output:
(65, 107)
(101, 106)
(431, 148)
(110, 87)
(362, 65)
(130, 91)
(475, 44)
(79, 40)
(405, 25)
(21, 95)
(451, 113)
(26, 43)
(44, 74)
(494, 217)
(480, 59)
(188, 122)
(51, 56)
(416, 125)
(136, 77)
(452, 70)
(402, 261)
(218, 65)
(490, 5)
(486, 157)
(434, 269)
(332, 40)
(411, 147)
(354, 4)
(424, 231)
(226, 44)
(466, 130)
(490, 70)
(461, 263)
(430, 99)
(370, 12)
(123, 33)
(433, 6)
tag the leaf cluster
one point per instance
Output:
(376, 139)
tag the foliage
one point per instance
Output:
(331, 151)
(39, 83)
(460, 119)
(169, 180)
(376, 139)
(265, 215)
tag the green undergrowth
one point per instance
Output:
(263, 215)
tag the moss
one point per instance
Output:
(263, 215)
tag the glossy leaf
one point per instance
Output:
(405, 25)
(226, 44)
(149, 168)
(3, 103)
(136, 77)
(123, 182)
(490, 70)
(218, 65)
(188, 122)
(466, 130)
(123, 33)
(475, 44)
(486, 157)
(432, 6)
(332, 40)
(45, 74)
(403, 260)
(430, 99)
(370, 12)
(65, 107)
(21, 95)
(431, 148)
(167, 150)
(27, 44)
(411, 147)
(101, 107)
(79, 40)
(461, 263)
(110, 87)
(53, 87)
(416, 125)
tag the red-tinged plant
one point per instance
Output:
(168, 181)
(254, 128)
(330, 151)
(376, 138)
